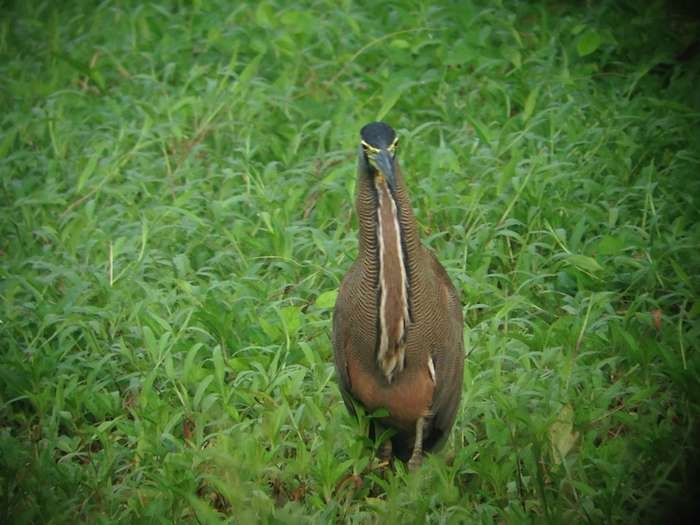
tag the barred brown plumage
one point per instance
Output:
(397, 324)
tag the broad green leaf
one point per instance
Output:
(201, 389)
(459, 53)
(271, 330)
(610, 245)
(150, 342)
(583, 262)
(327, 299)
(694, 312)
(530, 104)
(311, 356)
(481, 130)
(391, 95)
(513, 56)
(219, 368)
(588, 42)
(188, 365)
(87, 171)
(146, 388)
(400, 43)
(264, 14)
(562, 436)
(249, 71)
(445, 158)
(7, 142)
(577, 29)
(681, 273)
(291, 318)
(169, 366)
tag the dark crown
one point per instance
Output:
(378, 135)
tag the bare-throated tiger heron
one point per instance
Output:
(397, 325)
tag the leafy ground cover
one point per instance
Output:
(177, 212)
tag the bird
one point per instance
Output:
(397, 340)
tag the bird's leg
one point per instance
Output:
(417, 455)
(385, 449)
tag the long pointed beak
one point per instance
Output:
(385, 164)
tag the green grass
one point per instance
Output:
(177, 212)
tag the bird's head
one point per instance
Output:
(378, 150)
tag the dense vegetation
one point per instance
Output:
(177, 187)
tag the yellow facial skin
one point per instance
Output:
(380, 160)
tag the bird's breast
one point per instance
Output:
(408, 397)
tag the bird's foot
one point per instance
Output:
(415, 462)
(417, 456)
(384, 464)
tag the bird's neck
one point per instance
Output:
(389, 247)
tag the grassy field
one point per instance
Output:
(178, 210)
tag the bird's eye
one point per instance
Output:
(368, 149)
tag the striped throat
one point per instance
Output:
(394, 313)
